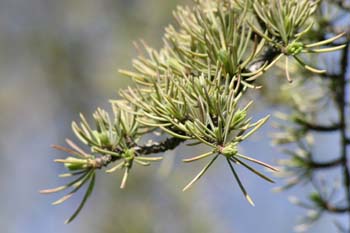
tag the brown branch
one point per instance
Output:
(328, 164)
(158, 147)
(154, 148)
(341, 103)
(321, 128)
(317, 127)
(341, 4)
(336, 209)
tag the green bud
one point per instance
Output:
(298, 161)
(74, 164)
(229, 150)
(295, 48)
(128, 157)
(102, 137)
(316, 198)
(238, 117)
(223, 57)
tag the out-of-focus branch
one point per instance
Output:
(328, 164)
(341, 104)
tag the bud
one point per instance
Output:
(295, 48)
(223, 56)
(316, 198)
(229, 150)
(74, 164)
(102, 137)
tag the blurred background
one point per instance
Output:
(60, 58)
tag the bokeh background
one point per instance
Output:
(59, 58)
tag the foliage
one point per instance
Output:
(194, 90)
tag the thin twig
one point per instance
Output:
(328, 164)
